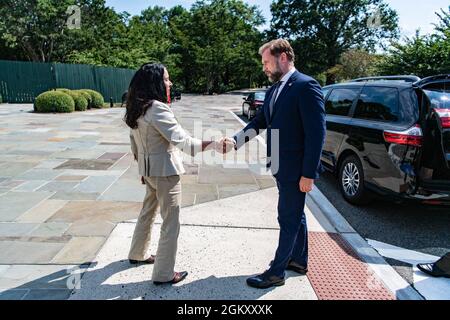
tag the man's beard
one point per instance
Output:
(276, 75)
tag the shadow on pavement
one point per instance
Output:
(92, 285)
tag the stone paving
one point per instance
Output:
(221, 244)
(67, 180)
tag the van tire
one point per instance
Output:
(351, 181)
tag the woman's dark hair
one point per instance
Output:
(146, 86)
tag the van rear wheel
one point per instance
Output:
(351, 181)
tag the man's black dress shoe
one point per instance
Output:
(150, 260)
(440, 268)
(292, 266)
(178, 277)
(264, 281)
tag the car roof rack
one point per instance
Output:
(411, 79)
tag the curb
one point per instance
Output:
(316, 200)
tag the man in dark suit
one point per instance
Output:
(294, 112)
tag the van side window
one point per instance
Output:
(340, 101)
(377, 103)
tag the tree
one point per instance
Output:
(443, 28)
(210, 48)
(33, 26)
(322, 30)
(36, 30)
(131, 41)
(421, 55)
(102, 38)
(217, 41)
(355, 63)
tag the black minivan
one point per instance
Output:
(390, 135)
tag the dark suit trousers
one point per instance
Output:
(293, 239)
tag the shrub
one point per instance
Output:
(87, 96)
(63, 90)
(1, 100)
(81, 103)
(97, 99)
(54, 101)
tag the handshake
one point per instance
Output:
(224, 145)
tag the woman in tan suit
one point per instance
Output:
(156, 141)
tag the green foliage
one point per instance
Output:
(126, 42)
(322, 30)
(37, 30)
(421, 55)
(54, 101)
(67, 91)
(210, 48)
(81, 102)
(354, 64)
(33, 28)
(97, 100)
(213, 46)
(87, 96)
(217, 44)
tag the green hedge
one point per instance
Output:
(81, 103)
(97, 99)
(80, 100)
(87, 96)
(63, 90)
(54, 101)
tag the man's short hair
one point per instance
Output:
(277, 47)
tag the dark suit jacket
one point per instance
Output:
(299, 116)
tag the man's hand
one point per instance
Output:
(225, 145)
(306, 185)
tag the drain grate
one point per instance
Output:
(337, 273)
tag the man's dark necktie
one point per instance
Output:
(274, 96)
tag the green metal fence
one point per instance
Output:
(21, 82)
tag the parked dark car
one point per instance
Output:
(391, 136)
(252, 103)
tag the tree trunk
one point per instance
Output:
(29, 51)
(208, 83)
(332, 61)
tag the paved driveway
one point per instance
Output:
(66, 180)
